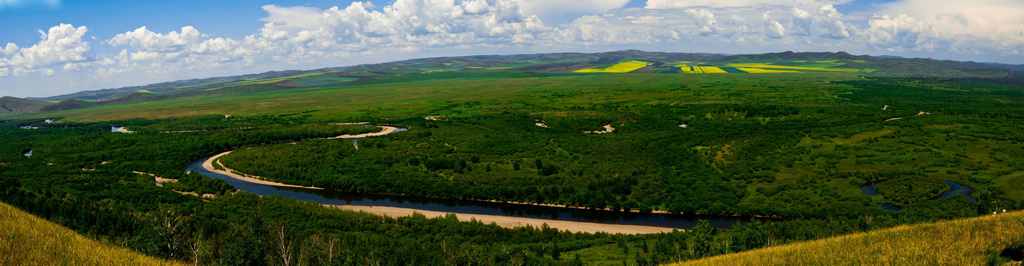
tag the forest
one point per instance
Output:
(753, 148)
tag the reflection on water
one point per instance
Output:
(119, 130)
(958, 189)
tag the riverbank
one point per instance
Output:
(385, 130)
(503, 221)
(208, 165)
(513, 222)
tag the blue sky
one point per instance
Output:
(50, 47)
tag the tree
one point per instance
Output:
(984, 203)
(702, 241)
(195, 246)
(284, 245)
(556, 252)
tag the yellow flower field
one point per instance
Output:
(711, 70)
(764, 70)
(624, 67)
(686, 69)
(792, 68)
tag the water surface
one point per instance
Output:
(470, 207)
(955, 189)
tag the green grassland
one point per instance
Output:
(795, 145)
(826, 136)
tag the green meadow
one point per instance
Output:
(792, 140)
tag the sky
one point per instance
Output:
(53, 47)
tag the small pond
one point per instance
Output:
(119, 130)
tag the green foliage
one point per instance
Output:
(200, 184)
(906, 191)
(786, 146)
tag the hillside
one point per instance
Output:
(12, 105)
(30, 240)
(556, 63)
(971, 241)
(766, 151)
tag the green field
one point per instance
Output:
(795, 145)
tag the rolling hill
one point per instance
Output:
(30, 240)
(556, 63)
(970, 241)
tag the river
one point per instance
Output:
(469, 206)
(955, 189)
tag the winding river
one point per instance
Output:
(955, 189)
(469, 207)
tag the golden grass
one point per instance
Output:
(624, 67)
(144, 91)
(958, 242)
(29, 240)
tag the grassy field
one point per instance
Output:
(421, 94)
(786, 145)
(969, 241)
(29, 240)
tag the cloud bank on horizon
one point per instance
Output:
(65, 60)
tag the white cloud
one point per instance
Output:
(645, 20)
(554, 7)
(705, 21)
(145, 40)
(61, 44)
(405, 23)
(955, 26)
(305, 37)
(669, 4)
(773, 29)
(291, 18)
(825, 21)
(10, 49)
(993, 19)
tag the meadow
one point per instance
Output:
(795, 146)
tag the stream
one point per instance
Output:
(955, 189)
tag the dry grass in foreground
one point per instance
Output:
(959, 242)
(29, 240)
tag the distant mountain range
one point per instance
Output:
(556, 63)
